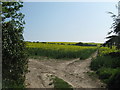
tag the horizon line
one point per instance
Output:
(62, 41)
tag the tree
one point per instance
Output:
(14, 58)
(114, 40)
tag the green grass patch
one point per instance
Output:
(105, 61)
(106, 73)
(61, 84)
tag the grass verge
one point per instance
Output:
(60, 84)
(107, 67)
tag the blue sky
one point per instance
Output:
(67, 21)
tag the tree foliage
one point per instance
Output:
(114, 40)
(14, 58)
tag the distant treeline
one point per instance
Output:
(69, 43)
(85, 44)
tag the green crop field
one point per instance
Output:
(59, 51)
(106, 50)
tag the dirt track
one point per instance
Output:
(74, 72)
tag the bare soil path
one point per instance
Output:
(74, 72)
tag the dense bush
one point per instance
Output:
(114, 54)
(114, 81)
(107, 66)
(14, 59)
(106, 73)
(105, 61)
